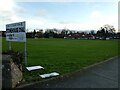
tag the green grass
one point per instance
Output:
(64, 55)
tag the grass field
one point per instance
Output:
(65, 55)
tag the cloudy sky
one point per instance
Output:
(69, 14)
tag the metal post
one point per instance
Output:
(25, 56)
(9, 45)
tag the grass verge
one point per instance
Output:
(63, 55)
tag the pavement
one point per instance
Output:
(104, 75)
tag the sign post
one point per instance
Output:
(9, 45)
(25, 54)
(16, 32)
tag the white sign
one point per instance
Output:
(34, 68)
(49, 75)
(16, 32)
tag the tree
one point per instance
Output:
(34, 33)
(40, 33)
(106, 31)
(49, 33)
(103, 33)
(110, 30)
(92, 32)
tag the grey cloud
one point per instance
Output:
(41, 13)
(6, 15)
(64, 22)
(20, 11)
(68, 22)
(8, 19)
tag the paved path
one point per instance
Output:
(104, 75)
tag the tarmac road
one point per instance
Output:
(104, 75)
